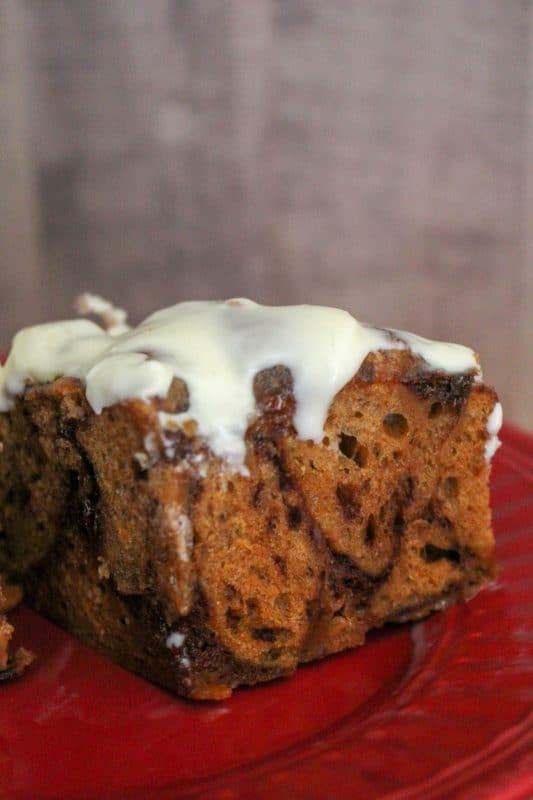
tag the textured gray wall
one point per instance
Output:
(372, 154)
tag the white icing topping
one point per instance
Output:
(217, 349)
(113, 318)
(494, 423)
(175, 639)
(444, 356)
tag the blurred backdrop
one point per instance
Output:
(371, 154)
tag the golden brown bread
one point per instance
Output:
(139, 541)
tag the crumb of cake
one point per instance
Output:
(10, 595)
(11, 665)
(14, 666)
(6, 632)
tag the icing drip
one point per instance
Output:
(494, 423)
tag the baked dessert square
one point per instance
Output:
(229, 490)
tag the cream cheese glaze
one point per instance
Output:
(216, 348)
(494, 424)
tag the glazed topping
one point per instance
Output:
(494, 423)
(217, 349)
(113, 318)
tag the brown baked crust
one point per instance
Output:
(124, 533)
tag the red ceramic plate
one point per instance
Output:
(439, 709)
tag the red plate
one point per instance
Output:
(439, 709)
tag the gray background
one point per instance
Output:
(371, 154)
